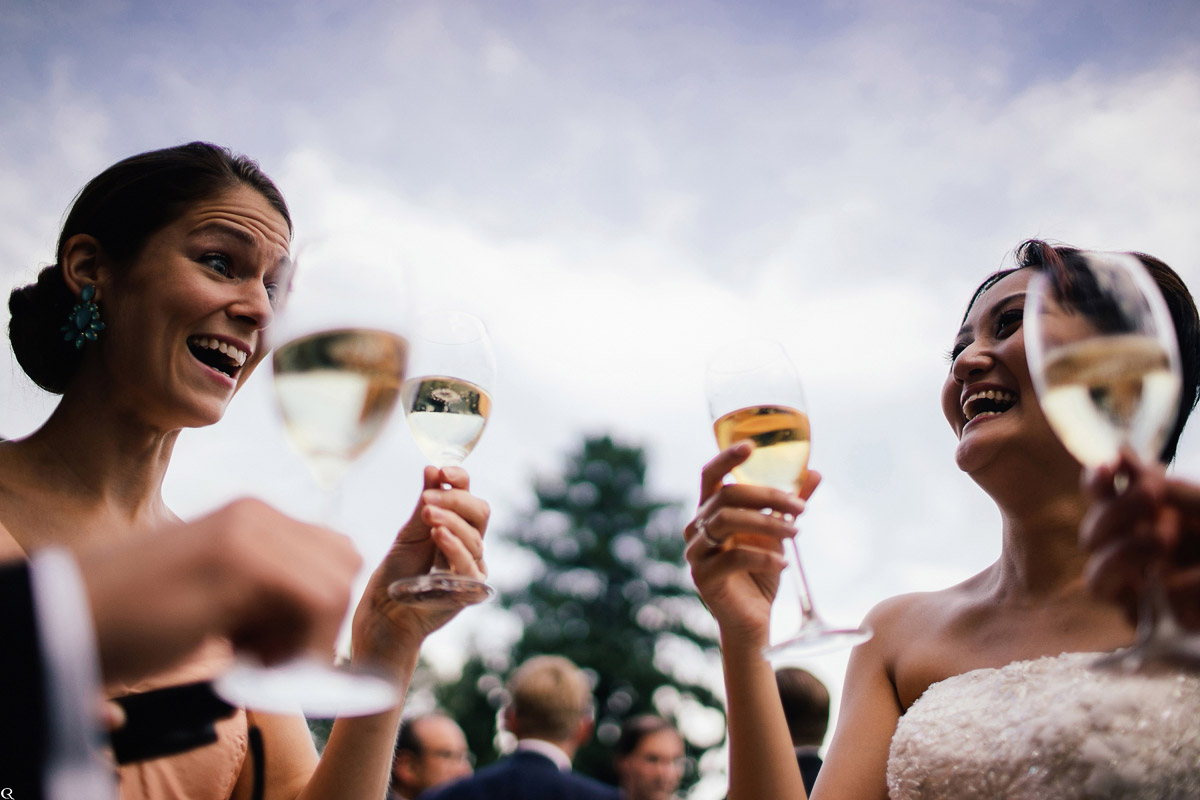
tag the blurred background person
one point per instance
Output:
(649, 758)
(806, 708)
(430, 750)
(550, 712)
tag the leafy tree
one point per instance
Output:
(612, 594)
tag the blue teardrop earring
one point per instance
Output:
(83, 323)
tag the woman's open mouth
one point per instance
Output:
(988, 403)
(221, 356)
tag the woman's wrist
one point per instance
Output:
(738, 640)
(381, 640)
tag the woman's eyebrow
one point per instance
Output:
(225, 229)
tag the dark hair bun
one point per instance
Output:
(39, 311)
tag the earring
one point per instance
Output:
(83, 323)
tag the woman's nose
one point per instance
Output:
(974, 359)
(254, 305)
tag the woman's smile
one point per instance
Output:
(219, 354)
(192, 307)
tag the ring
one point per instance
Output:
(702, 529)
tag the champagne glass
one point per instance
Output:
(447, 403)
(754, 394)
(1104, 360)
(337, 372)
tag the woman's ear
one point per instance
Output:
(81, 262)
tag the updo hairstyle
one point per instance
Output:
(122, 208)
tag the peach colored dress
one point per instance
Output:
(206, 773)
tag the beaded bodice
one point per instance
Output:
(1053, 728)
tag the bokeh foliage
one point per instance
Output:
(611, 592)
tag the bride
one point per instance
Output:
(982, 689)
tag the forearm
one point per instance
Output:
(357, 760)
(762, 762)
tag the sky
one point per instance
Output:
(616, 188)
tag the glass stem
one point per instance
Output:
(1156, 621)
(331, 504)
(808, 615)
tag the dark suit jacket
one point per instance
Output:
(523, 776)
(22, 696)
(810, 765)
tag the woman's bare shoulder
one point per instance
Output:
(920, 615)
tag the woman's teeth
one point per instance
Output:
(238, 357)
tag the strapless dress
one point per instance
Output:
(1050, 729)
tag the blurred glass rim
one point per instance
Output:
(747, 355)
(451, 326)
(1104, 264)
(346, 279)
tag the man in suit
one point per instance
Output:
(430, 750)
(120, 611)
(550, 712)
(806, 707)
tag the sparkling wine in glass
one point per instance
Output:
(754, 394)
(447, 403)
(337, 370)
(1104, 360)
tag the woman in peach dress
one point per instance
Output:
(184, 255)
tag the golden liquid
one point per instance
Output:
(781, 445)
(447, 416)
(1103, 392)
(336, 390)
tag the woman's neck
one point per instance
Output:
(102, 455)
(1040, 555)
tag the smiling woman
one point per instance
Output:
(983, 689)
(167, 275)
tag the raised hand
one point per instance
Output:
(1151, 524)
(735, 549)
(274, 586)
(447, 526)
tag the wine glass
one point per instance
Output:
(447, 402)
(754, 394)
(1104, 359)
(337, 370)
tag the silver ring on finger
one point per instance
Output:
(702, 529)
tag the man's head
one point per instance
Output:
(649, 758)
(430, 750)
(805, 704)
(550, 699)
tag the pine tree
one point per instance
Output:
(612, 594)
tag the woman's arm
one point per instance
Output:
(386, 636)
(735, 552)
(856, 763)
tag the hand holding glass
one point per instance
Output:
(337, 372)
(754, 394)
(447, 403)
(1104, 360)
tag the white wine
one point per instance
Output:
(1101, 393)
(781, 445)
(336, 390)
(447, 416)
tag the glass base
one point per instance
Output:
(814, 639)
(1153, 655)
(307, 687)
(441, 587)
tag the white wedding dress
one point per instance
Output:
(1050, 729)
